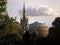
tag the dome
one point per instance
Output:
(41, 28)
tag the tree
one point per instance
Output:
(26, 36)
(56, 22)
(7, 24)
(3, 7)
(54, 31)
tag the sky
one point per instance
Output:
(43, 11)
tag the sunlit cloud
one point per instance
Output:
(50, 11)
(41, 11)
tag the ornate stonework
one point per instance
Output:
(24, 21)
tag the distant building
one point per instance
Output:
(24, 21)
(41, 28)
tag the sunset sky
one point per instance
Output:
(43, 11)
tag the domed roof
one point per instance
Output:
(37, 25)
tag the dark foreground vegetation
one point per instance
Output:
(10, 33)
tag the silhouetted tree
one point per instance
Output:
(54, 31)
(26, 38)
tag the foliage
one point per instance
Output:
(54, 31)
(8, 26)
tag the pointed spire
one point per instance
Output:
(24, 10)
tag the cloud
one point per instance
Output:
(42, 11)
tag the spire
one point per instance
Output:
(24, 16)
